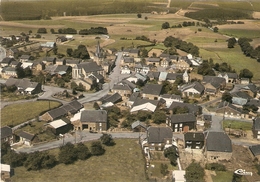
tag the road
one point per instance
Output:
(82, 136)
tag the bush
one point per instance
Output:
(215, 167)
(107, 139)
(97, 148)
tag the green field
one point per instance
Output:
(245, 125)
(18, 113)
(222, 176)
(122, 162)
(238, 33)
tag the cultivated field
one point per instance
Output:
(122, 162)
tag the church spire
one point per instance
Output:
(98, 51)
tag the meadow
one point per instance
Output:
(121, 162)
(18, 113)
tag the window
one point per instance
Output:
(167, 141)
(152, 144)
(159, 148)
(180, 124)
(100, 124)
(159, 144)
(176, 125)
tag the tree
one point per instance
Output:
(52, 31)
(20, 72)
(73, 85)
(42, 30)
(236, 178)
(164, 169)
(107, 139)
(96, 106)
(231, 42)
(69, 52)
(67, 153)
(172, 154)
(143, 115)
(97, 148)
(245, 73)
(165, 25)
(55, 50)
(81, 52)
(143, 53)
(146, 18)
(14, 159)
(159, 117)
(215, 29)
(39, 160)
(194, 172)
(81, 87)
(83, 151)
(227, 97)
(139, 15)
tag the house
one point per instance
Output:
(123, 89)
(27, 65)
(60, 126)
(61, 61)
(218, 146)
(136, 77)
(25, 86)
(153, 61)
(159, 138)
(230, 111)
(256, 128)
(84, 69)
(192, 108)
(141, 68)
(125, 70)
(165, 62)
(7, 135)
(12, 52)
(213, 84)
(172, 77)
(250, 89)
(194, 140)
(8, 72)
(5, 172)
(25, 58)
(98, 77)
(182, 63)
(92, 120)
(162, 76)
(131, 85)
(69, 37)
(128, 61)
(138, 126)
(240, 98)
(48, 45)
(61, 39)
(38, 65)
(254, 102)
(255, 150)
(132, 98)
(27, 138)
(49, 60)
(114, 98)
(229, 77)
(15, 64)
(182, 122)
(178, 175)
(152, 91)
(170, 98)
(63, 111)
(6, 61)
(71, 62)
(244, 81)
(194, 89)
(144, 105)
(153, 75)
(131, 52)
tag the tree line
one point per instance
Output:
(68, 154)
(182, 45)
(91, 31)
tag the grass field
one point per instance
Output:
(122, 162)
(222, 176)
(237, 124)
(18, 113)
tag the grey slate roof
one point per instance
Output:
(56, 113)
(226, 104)
(256, 124)
(111, 98)
(243, 95)
(192, 108)
(173, 76)
(99, 116)
(138, 123)
(196, 85)
(134, 96)
(61, 68)
(255, 149)
(153, 60)
(152, 74)
(254, 102)
(194, 136)
(90, 67)
(140, 101)
(171, 96)
(218, 142)
(6, 131)
(158, 134)
(214, 80)
(121, 86)
(128, 59)
(183, 118)
(130, 84)
(26, 135)
(153, 89)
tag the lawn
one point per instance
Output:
(245, 125)
(222, 176)
(122, 162)
(241, 32)
(18, 113)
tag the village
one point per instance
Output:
(177, 115)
